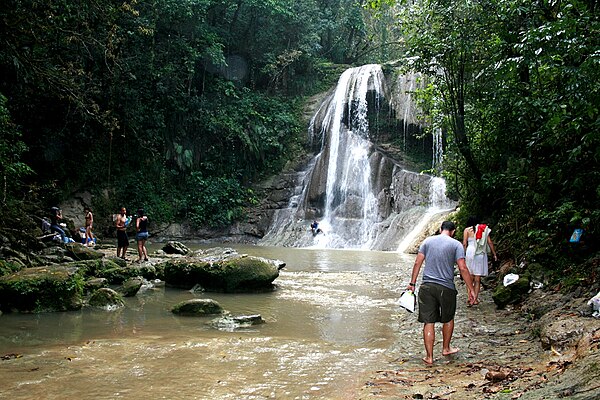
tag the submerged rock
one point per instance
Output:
(197, 307)
(131, 286)
(230, 323)
(106, 298)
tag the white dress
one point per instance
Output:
(477, 263)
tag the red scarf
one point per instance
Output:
(480, 230)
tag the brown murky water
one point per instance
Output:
(332, 320)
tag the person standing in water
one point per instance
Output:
(122, 238)
(437, 295)
(141, 227)
(476, 241)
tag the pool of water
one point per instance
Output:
(330, 320)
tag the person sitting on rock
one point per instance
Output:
(314, 227)
(55, 218)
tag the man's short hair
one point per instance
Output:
(448, 226)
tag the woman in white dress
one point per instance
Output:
(477, 242)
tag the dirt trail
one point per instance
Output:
(500, 358)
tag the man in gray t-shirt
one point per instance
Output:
(437, 295)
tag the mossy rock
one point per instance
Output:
(41, 289)
(197, 307)
(131, 286)
(10, 267)
(511, 294)
(241, 273)
(183, 273)
(106, 298)
(79, 252)
(95, 284)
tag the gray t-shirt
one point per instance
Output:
(441, 253)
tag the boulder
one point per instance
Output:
(79, 252)
(95, 284)
(131, 286)
(104, 268)
(561, 331)
(41, 289)
(106, 298)
(173, 247)
(230, 274)
(511, 294)
(197, 307)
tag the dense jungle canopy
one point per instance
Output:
(180, 106)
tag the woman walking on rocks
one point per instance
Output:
(477, 241)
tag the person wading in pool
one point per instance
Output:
(437, 295)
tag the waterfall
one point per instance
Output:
(438, 203)
(438, 151)
(361, 198)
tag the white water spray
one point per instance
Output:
(438, 203)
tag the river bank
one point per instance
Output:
(505, 354)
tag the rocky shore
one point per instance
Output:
(547, 346)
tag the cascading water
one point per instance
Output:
(438, 203)
(362, 198)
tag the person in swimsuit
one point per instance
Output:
(89, 222)
(141, 227)
(122, 238)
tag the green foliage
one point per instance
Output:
(215, 202)
(127, 99)
(514, 86)
(12, 169)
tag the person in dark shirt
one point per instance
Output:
(122, 238)
(141, 227)
(55, 218)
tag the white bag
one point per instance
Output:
(509, 279)
(407, 301)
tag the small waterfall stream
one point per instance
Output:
(361, 197)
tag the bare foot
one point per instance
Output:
(451, 350)
(428, 360)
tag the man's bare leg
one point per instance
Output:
(447, 330)
(428, 340)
